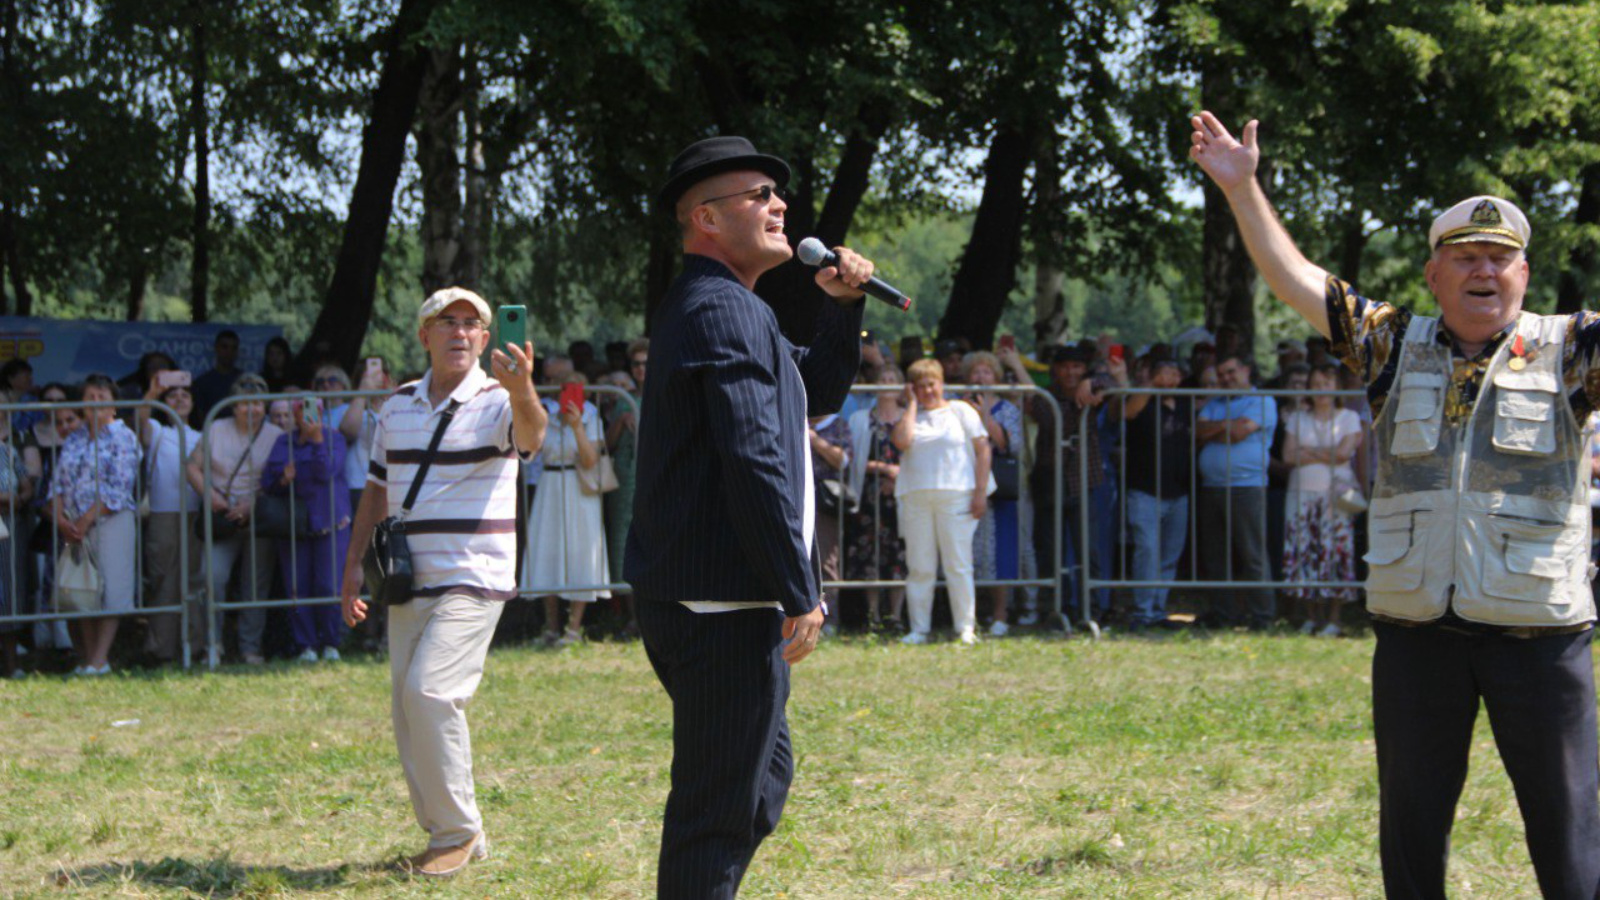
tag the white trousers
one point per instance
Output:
(938, 526)
(436, 650)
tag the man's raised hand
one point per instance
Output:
(1228, 161)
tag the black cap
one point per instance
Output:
(714, 156)
(946, 347)
(1072, 353)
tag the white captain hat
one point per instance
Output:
(1481, 219)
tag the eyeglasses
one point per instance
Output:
(333, 380)
(637, 363)
(451, 323)
(763, 193)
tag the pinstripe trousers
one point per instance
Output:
(731, 757)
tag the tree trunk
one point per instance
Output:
(1227, 276)
(850, 183)
(988, 269)
(200, 127)
(12, 91)
(438, 132)
(11, 249)
(347, 307)
(138, 282)
(665, 249)
(478, 212)
(1049, 306)
(1574, 284)
(1352, 244)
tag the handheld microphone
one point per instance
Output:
(812, 252)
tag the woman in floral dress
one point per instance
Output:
(1319, 542)
(873, 549)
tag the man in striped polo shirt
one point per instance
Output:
(462, 536)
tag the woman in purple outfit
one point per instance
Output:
(314, 565)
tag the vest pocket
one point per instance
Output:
(1419, 409)
(1391, 566)
(1526, 559)
(1524, 421)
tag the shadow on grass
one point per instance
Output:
(220, 877)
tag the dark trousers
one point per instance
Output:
(1233, 547)
(1539, 694)
(731, 758)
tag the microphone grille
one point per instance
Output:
(811, 251)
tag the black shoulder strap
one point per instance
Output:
(427, 458)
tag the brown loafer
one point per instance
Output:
(442, 862)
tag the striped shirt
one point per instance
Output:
(462, 531)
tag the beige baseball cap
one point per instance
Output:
(1482, 219)
(440, 300)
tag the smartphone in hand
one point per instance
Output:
(312, 411)
(1008, 342)
(510, 326)
(1115, 352)
(171, 378)
(572, 395)
(374, 366)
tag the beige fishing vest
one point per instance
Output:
(1496, 507)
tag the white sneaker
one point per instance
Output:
(914, 638)
(969, 639)
(97, 671)
(1028, 618)
(999, 629)
(309, 655)
(1332, 630)
(18, 675)
(1308, 627)
(330, 654)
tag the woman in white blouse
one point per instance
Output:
(173, 504)
(1319, 543)
(943, 492)
(566, 528)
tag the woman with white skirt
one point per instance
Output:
(566, 528)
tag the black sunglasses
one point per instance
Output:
(764, 193)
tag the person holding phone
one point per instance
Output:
(173, 505)
(307, 464)
(566, 529)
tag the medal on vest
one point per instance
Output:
(1519, 356)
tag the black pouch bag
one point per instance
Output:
(386, 565)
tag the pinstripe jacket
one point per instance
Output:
(722, 444)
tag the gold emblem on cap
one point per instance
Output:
(1485, 213)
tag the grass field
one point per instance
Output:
(1233, 766)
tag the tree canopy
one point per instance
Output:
(1018, 167)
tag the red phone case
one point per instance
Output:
(572, 395)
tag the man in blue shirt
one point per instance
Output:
(1235, 436)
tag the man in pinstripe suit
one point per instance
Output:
(720, 553)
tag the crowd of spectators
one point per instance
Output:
(944, 466)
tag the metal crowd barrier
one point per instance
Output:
(216, 605)
(1088, 582)
(1047, 570)
(248, 563)
(21, 527)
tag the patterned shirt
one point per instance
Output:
(99, 467)
(1366, 336)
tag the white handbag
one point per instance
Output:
(79, 585)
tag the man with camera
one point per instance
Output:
(465, 433)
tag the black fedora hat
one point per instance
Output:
(714, 156)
